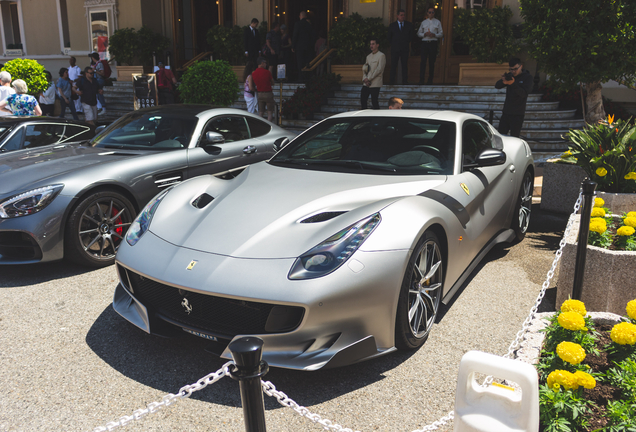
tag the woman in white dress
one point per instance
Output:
(249, 89)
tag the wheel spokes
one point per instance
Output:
(99, 225)
(425, 291)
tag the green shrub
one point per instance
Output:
(307, 100)
(209, 82)
(150, 42)
(30, 71)
(487, 33)
(227, 44)
(123, 46)
(350, 36)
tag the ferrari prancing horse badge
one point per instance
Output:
(465, 188)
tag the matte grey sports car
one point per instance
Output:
(338, 249)
(77, 200)
(17, 133)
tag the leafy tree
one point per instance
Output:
(123, 45)
(30, 71)
(150, 42)
(227, 43)
(208, 82)
(350, 36)
(583, 41)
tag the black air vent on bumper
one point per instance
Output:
(202, 200)
(15, 245)
(211, 314)
(322, 217)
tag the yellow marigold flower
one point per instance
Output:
(598, 225)
(625, 231)
(572, 305)
(631, 309)
(566, 154)
(601, 172)
(598, 212)
(624, 333)
(563, 378)
(631, 214)
(630, 176)
(571, 321)
(630, 220)
(570, 352)
(599, 202)
(585, 379)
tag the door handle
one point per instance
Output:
(249, 149)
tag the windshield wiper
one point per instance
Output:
(113, 146)
(338, 163)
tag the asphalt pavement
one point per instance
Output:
(68, 362)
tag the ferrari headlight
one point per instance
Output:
(142, 222)
(29, 202)
(335, 251)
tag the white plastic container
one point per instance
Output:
(494, 408)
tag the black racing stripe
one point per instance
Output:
(449, 202)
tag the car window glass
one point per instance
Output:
(257, 127)
(77, 133)
(15, 142)
(475, 139)
(41, 134)
(148, 129)
(233, 128)
(392, 145)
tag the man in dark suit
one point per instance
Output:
(400, 35)
(303, 44)
(252, 41)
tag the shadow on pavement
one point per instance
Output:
(31, 274)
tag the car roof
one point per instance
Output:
(189, 109)
(10, 121)
(453, 116)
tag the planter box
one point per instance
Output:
(561, 185)
(618, 202)
(608, 282)
(125, 73)
(351, 74)
(486, 74)
(238, 71)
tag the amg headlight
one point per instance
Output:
(335, 251)
(29, 202)
(141, 224)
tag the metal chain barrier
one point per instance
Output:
(169, 399)
(270, 390)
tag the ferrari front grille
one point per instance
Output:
(211, 314)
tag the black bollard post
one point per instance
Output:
(247, 353)
(589, 191)
(491, 116)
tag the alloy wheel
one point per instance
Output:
(425, 290)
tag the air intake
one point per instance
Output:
(202, 200)
(322, 217)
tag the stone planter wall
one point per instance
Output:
(471, 74)
(350, 74)
(609, 281)
(125, 73)
(561, 185)
(618, 202)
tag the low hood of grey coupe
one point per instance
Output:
(275, 212)
(19, 170)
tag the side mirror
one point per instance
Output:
(490, 157)
(280, 143)
(99, 129)
(213, 138)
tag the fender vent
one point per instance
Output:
(202, 200)
(322, 217)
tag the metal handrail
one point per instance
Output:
(318, 60)
(194, 60)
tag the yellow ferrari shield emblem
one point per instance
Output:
(465, 188)
(191, 265)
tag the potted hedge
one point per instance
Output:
(491, 41)
(209, 82)
(133, 50)
(350, 37)
(227, 44)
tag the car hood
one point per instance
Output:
(259, 213)
(21, 169)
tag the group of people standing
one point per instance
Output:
(82, 91)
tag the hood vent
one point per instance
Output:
(202, 200)
(322, 217)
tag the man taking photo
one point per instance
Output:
(518, 84)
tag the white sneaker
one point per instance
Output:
(101, 111)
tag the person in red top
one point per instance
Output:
(263, 81)
(165, 85)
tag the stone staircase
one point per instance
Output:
(119, 101)
(544, 123)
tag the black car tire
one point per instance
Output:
(419, 294)
(96, 228)
(523, 207)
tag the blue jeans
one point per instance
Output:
(100, 97)
(71, 105)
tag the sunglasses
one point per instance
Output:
(514, 68)
(430, 12)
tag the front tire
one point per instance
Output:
(523, 208)
(421, 293)
(96, 228)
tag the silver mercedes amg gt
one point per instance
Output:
(76, 200)
(338, 249)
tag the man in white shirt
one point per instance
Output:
(74, 72)
(5, 89)
(431, 32)
(372, 75)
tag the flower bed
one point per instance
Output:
(587, 371)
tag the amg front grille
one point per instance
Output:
(16, 245)
(219, 316)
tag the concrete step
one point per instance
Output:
(546, 145)
(484, 104)
(486, 90)
(552, 124)
(410, 97)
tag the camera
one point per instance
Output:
(508, 76)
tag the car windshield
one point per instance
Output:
(148, 130)
(384, 145)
